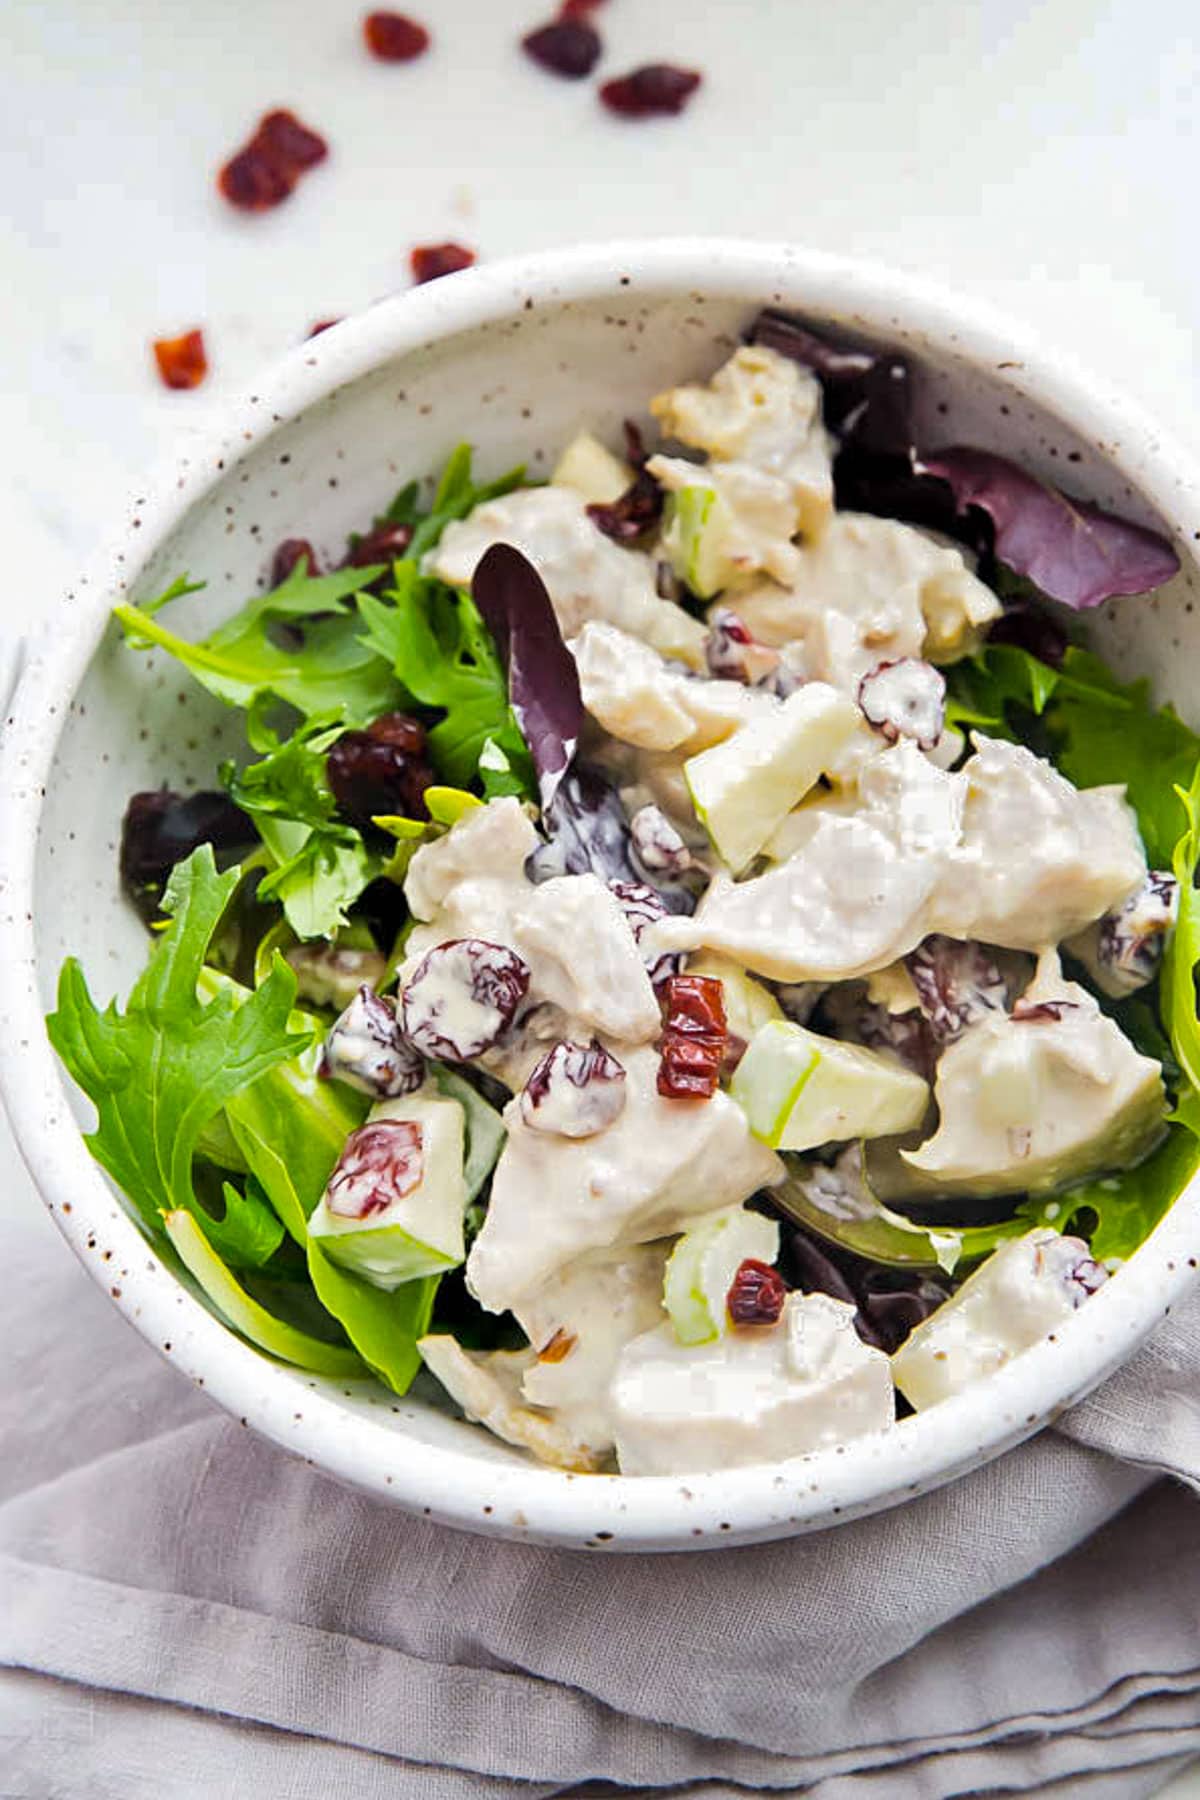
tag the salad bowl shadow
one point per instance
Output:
(514, 358)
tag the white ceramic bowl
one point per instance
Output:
(513, 357)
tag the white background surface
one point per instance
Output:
(1040, 153)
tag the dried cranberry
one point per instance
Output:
(462, 997)
(568, 46)
(161, 828)
(644, 906)
(380, 1163)
(182, 362)
(367, 1050)
(321, 325)
(1132, 939)
(265, 170)
(656, 843)
(906, 698)
(695, 1037)
(732, 653)
(578, 9)
(286, 557)
(254, 181)
(384, 543)
(655, 88)
(381, 770)
(632, 513)
(392, 37)
(429, 261)
(576, 1091)
(291, 142)
(1029, 628)
(957, 984)
(1042, 1012)
(756, 1294)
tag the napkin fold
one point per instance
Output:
(185, 1610)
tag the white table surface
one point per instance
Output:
(1040, 153)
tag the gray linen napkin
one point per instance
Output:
(184, 1610)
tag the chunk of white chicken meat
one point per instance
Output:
(727, 522)
(1013, 1300)
(852, 896)
(871, 590)
(487, 1384)
(1039, 859)
(753, 1395)
(585, 966)
(639, 699)
(579, 1322)
(763, 411)
(660, 1164)
(587, 576)
(1032, 1100)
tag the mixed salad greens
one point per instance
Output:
(693, 950)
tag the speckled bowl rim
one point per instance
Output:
(519, 1500)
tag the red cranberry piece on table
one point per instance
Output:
(429, 261)
(462, 997)
(654, 89)
(392, 37)
(288, 554)
(182, 362)
(380, 1163)
(568, 46)
(380, 770)
(321, 325)
(756, 1294)
(578, 9)
(264, 171)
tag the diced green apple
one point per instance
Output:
(592, 471)
(799, 1089)
(702, 1267)
(420, 1232)
(697, 526)
(744, 788)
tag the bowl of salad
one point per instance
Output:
(600, 910)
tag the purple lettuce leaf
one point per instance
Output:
(867, 393)
(1070, 549)
(543, 682)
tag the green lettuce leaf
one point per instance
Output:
(383, 1327)
(158, 1072)
(1177, 990)
(1118, 1212)
(456, 495)
(248, 1233)
(299, 644)
(441, 651)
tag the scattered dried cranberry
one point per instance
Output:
(287, 555)
(957, 984)
(462, 997)
(568, 46)
(756, 1294)
(695, 1037)
(656, 843)
(638, 509)
(161, 828)
(1042, 1012)
(643, 906)
(733, 653)
(380, 1163)
(1132, 938)
(380, 770)
(323, 325)
(429, 261)
(576, 1091)
(265, 170)
(382, 544)
(578, 9)
(182, 362)
(367, 1050)
(655, 88)
(906, 698)
(392, 37)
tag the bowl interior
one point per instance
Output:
(516, 383)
